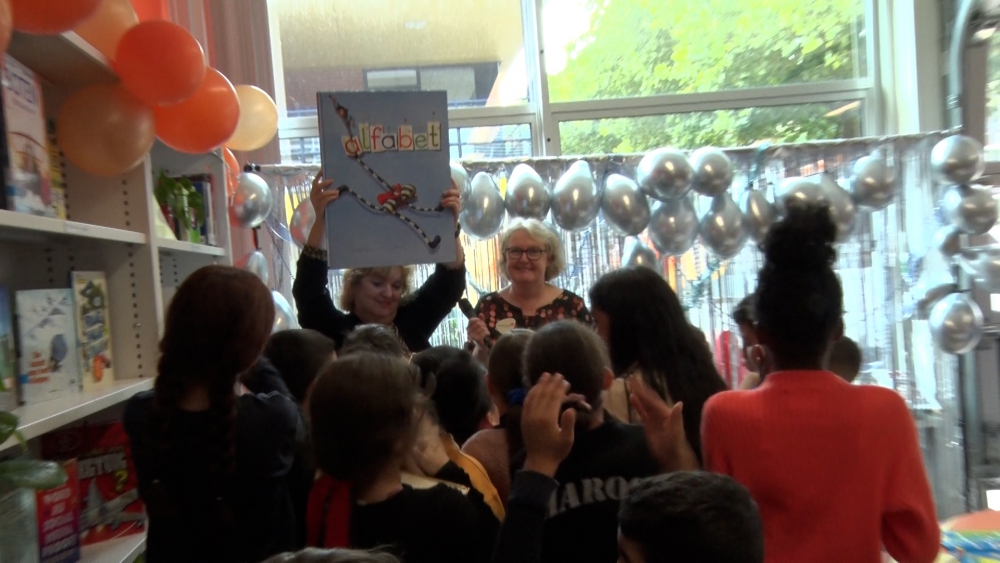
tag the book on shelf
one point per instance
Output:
(93, 329)
(49, 367)
(57, 180)
(109, 488)
(203, 186)
(27, 170)
(58, 513)
(8, 354)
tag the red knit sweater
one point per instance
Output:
(835, 468)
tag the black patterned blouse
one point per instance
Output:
(501, 316)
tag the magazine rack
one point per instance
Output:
(110, 228)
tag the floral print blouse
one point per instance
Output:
(502, 317)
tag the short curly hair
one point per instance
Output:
(543, 234)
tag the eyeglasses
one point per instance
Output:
(517, 253)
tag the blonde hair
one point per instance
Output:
(541, 233)
(353, 277)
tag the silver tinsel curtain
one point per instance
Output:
(879, 269)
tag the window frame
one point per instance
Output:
(544, 117)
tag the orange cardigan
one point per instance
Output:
(836, 469)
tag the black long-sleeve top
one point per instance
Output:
(416, 320)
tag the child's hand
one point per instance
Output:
(548, 436)
(664, 426)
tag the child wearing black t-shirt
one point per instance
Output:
(365, 411)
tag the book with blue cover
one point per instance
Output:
(49, 356)
(388, 154)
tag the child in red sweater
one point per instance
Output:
(836, 469)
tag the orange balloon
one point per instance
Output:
(105, 27)
(104, 130)
(6, 25)
(160, 62)
(232, 171)
(50, 17)
(202, 122)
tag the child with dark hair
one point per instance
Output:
(745, 317)
(581, 522)
(494, 447)
(212, 464)
(794, 442)
(373, 338)
(845, 359)
(366, 410)
(461, 404)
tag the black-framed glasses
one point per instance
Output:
(532, 253)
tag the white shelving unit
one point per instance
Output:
(110, 228)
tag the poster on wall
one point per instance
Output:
(387, 154)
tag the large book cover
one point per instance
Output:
(388, 154)
(109, 487)
(8, 353)
(93, 329)
(49, 359)
(27, 175)
(58, 515)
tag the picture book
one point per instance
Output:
(58, 514)
(27, 174)
(57, 181)
(109, 489)
(49, 360)
(203, 186)
(8, 354)
(93, 329)
(388, 152)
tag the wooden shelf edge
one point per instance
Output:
(28, 224)
(47, 416)
(168, 245)
(120, 550)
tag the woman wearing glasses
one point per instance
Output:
(531, 256)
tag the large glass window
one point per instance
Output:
(601, 49)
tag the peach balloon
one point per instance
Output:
(50, 17)
(160, 62)
(258, 119)
(232, 171)
(202, 122)
(104, 130)
(105, 27)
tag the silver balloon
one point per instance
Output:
(797, 189)
(665, 174)
(624, 207)
(526, 193)
(983, 264)
(673, 226)
(956, 324)
(575, 198)
(842, 208)
(713, 171)
(971, 209)
(721, 229)
(252, 201)
(256, 264)
(302, 222)
(483, 209)
(638, 254)
(284, 318)
(948, 241)
(873, 184)
(758, 214)
(459, 177)
(957, 160)
(931, 295)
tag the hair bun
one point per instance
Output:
(803, 240)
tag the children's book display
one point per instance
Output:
(90, 297)
(388, 154)
(8, 355)
(49, 358)
(25, 155)
(58, 514)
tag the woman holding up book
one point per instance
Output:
(382, 295)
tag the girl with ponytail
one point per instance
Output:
(835, 468)
(212, 463)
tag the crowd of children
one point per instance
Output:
(573, 443)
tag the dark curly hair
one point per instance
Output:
(799, 298)
(649, 332)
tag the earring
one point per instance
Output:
(759, 355)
